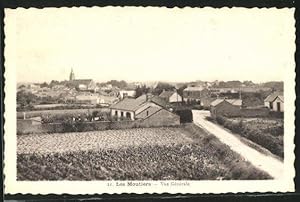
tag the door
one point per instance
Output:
(278, 107)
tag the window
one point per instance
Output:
(116, 113)
(147, 113)
(271, 106)
(127, 115)
(122, 114)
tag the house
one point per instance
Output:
(155, 99)
(275, 102)
(125, 108)
(126, 93)
(171, 96)
(87, 99)
(145, 107)
(83, 84)
(195, 93)
(206, 102)
(226, 107)
(107, 100)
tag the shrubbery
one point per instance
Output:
(186, 115)
(266, 138)
(82, 117)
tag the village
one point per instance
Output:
(86, 92)
(250, 113)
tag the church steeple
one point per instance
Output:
(72, 75)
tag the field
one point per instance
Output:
(177, 153)
(99, 140)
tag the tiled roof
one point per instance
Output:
(236, 102)
(216, 102)
(128, 104)
(273, 96)
(194, 88)
(159, 101)
(78, 82)
(151, 110)
(207, 101)
(166, 94)
(155, 99)
(281, 97)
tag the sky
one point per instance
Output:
(150, 44)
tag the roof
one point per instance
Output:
(207, 101)
(216, 102)
(281, 97)
(151, 110)
(273, 96)
(159, 101)
(87, 97)
(194, 88)
(166, 94)
(78, 82)
(128, 104)
(236, 102)
(144, 97)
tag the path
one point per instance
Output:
(266, 163)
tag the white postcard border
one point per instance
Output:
(12, 186)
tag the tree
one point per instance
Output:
(53, 83)
(26, 98)
(162, 86)
(21, 86)
(119, 84)
(141, 90)
(43, 85)
(180, 90)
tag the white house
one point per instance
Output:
(129, 108)
(171, 96)
(275, 102)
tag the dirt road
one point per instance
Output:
(266, 163)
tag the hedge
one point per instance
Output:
(263, 138)
(186, 115)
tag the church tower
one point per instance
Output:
(72, 75)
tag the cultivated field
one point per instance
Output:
(135, 154)
(99, 140)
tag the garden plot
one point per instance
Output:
(96, 140)
(184, 153)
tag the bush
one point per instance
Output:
(265, 138)
(198, 107)
(186, 115)
(221, 120)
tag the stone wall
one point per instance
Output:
(160, 119)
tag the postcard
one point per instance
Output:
(149, 100)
